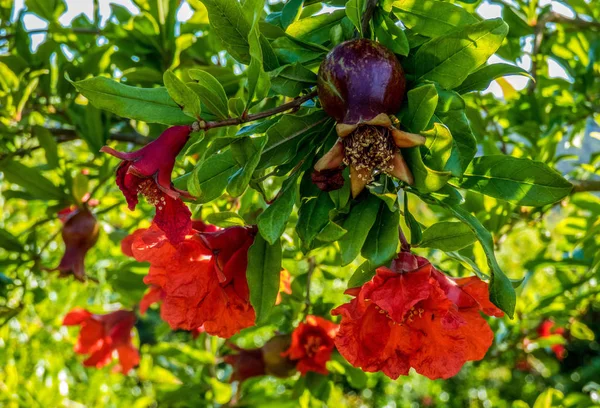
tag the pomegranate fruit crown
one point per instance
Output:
(361, 84)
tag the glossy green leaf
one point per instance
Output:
(290, 12)
(182, 95)
(264, 267)
(362, 275)
(390, 35)
(48, 143)
(313, 216)
(291, 80)
(431, 18)
(315, 29)
(149, 105)
(209, 178)
(31, 179)
(225, 219)
(449, 59)
(447, 236)
(516, 180)
(483, 77)
(211, 92)
(426, 179)
(382, 242)
(358, 224)
(272, 222)
(416, 235)
(354, 11)
(422, 102)
(246, 153)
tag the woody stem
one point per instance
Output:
(295, 104)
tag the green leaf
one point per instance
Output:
(464, 144)
(426, 179)
(358, 224)
(272, 222)
(290, 12)
(502, 293)
(289, 133)
(331, 232)
(354, 11)
(258, 80)
(390, 35)
(291, 80)
(264, 267)
(48, 143)
(290, 50)
(313, 216)
(581, 331)
(422, 102)
(211, 92)
(225, 219)
(362, 275)
(516, 180)
(229, 23)
(447, 236)
(416, 235)
(47, 9)
(31, 180)
(182, 95)
(382, 242)
(438, 142)
(483, 77)
(9, 242)
(315, 29)
(449, 59)
(431, 18)
(209, 178)
(152, 105)
(246, 153)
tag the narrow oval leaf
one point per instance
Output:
(358, 224)
(182, 95)
(447, 236)
(483, 77)
(225, 219)
(272, 222)
(382, 242)
(431, 18)
(422, 102)
(211, 92)
(9, 242)
(516, 180)
(31, 180)
(449, 59)
(264, 267)
(209, 178)
(152, 105)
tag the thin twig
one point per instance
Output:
(580, 186)
(295, 104)
(367, 16)
(312, 264)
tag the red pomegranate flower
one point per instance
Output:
(412, 315)
(147, 171)
(80, 233)
(101, 335)
(202, 279)
(312, 344)
(546, 329)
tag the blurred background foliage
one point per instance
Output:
(50, 138)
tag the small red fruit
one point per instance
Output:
(360, 84)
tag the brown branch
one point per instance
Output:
(367, 16)
(577, 22)
(295, 104)
(580, 186)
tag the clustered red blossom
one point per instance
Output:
(201, 281)
(409, 315)
(548, 328)
(312, 344)
(102, 335)
(412, 315)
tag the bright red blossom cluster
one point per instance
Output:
(548, 328)
(102, 335)
(312, 344)
(412, 315)
(201, 281)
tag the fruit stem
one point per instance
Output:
(404, 245)
(367, 16)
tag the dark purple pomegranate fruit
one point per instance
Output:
(80, 233)
(360, 84)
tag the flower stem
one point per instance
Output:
(404, 245)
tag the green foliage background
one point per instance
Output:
(49, 157)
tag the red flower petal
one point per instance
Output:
(174, 218)
(76, 316)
